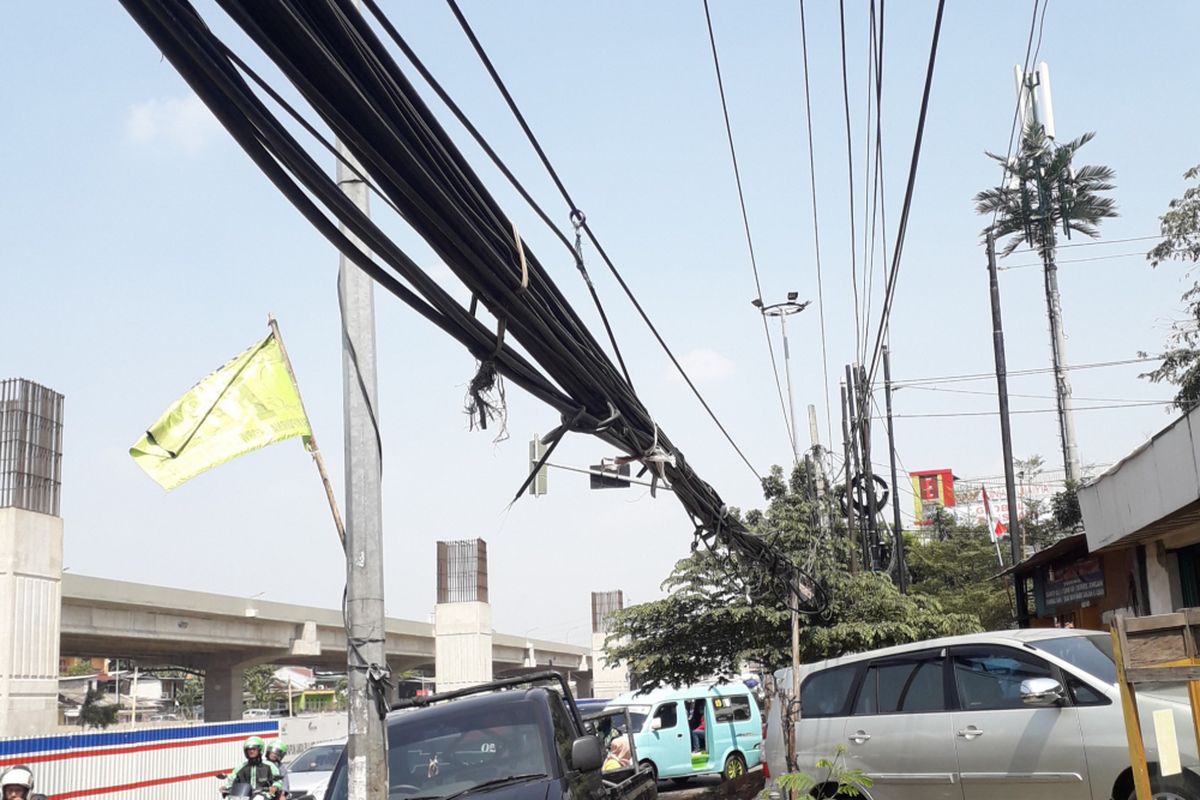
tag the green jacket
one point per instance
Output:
(263, 775)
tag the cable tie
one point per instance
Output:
(521, 256)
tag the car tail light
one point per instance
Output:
(766, 767)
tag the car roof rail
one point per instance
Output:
(545, 676)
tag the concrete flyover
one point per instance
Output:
(222, 635)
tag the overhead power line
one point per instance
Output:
(580, 218)
(1109, 257)
(988, 376)
(858, 324)
(737, 175)
(812, 179)
(1012, 130)
(889, 293)
(946, 414)
(979, 393)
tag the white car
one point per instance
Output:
(309, 771)
(1033, 714)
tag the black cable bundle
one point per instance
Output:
(334, 59)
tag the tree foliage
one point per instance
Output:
(260, 684)
(720, 611)
(1180, 227)
(959, 570)
(1043, 193)
(94, 713)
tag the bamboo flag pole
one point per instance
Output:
(312, 438)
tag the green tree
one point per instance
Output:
(261, 685)
(80, 667)
(959, 570)
(94, 713)
(720, 611)
(188, 695)
(1180, 227)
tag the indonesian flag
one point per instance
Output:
(996, 528)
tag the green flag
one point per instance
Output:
(249, 403)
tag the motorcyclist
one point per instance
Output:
(255, 771)
(16, 782)
(276, 750)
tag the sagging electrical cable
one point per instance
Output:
(333, 59)
(512, 105)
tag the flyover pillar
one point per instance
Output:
(462, 625)
(223, 682)
(31, 554)
(607, 681)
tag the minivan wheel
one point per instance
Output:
(735, 767)
(1173, 788)
(653, 769)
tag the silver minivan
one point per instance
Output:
(1027, 714)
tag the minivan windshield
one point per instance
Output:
(637, 715)
(433, 756)
(1091, 653)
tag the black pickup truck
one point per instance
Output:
(511, 739)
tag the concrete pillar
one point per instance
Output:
(1158, 578)
(462, 644)
(31, 554)
(607, 682)
(223, 685)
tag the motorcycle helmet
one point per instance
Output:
(18, 775)
(276, 747)
(253, 742)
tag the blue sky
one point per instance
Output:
(141, 249)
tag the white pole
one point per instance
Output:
(134, 697)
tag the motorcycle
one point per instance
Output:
(246, 791)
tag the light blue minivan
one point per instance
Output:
(697, 730)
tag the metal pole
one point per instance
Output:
(1010, 480)
(1058, 342)
(849, 488)
(864, 425)
(855, 444)
(787, 370)
(897, 531)
(366, 747)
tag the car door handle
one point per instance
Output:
(861, 737)
(970, 732)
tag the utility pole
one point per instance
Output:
(864, 429)
(849, 488)
(855, 422)
(897, 531)
(1035, 87)
(783, 311)
(366, 746)
(1010, 479)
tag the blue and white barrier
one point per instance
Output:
(179, 763)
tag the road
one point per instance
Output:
(711, 787)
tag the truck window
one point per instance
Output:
(564, 728)
(731, 709)
(668, 714)
(827, 693)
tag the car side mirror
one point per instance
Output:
(656, 724)
(587, 754)
(221, 776)
(1041, 692)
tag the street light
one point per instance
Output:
(783, 311)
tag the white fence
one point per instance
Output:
(178, 763)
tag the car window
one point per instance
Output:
(564, 727)
(316, 759)
(667, 714)
(906, 686)
(1082, 694)
(1091, 653)
(731, 709)
(990, 678)
(827, 693)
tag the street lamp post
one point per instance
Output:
(783, 311)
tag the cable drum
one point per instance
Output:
(862, 505)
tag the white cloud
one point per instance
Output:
(182, 123)
(704, 366)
